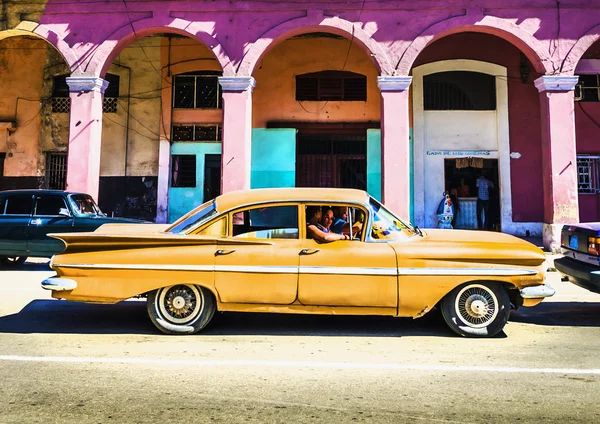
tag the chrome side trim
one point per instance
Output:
(466, 271)
(59, 284)
(141, 267)
(537, 291)
(347, 270)
(312, 269)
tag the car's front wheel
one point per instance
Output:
(181, 309)
(477, 309)
(12, 260)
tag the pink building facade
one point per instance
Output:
(536, 133)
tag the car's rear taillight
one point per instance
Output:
(593, 245)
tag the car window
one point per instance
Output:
(267, 222)
(2, 205)
(387, 226)
(84, 205)
(49, 205)
(216, 229)
(19, 204)
(194, 218)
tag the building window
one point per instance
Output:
(61, 102)
(56, 170)
(183, 171)
(588, 175)
(459, 90)
(212, 177)
(588, 88)
(197, 90)
(331, 85)
(192, 132)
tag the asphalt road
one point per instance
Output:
(70, 362)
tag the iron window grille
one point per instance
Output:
(459, 90)
(183, 171)
(56, 170)
(588, 88)
(61, 102)
(331, 86)
(588, 176)
(193, 132)
(197, 90)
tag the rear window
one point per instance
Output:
(2, 205)
(19, 204)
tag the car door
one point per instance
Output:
(15, 213)
(351, 273)
(258, 262)
(50, 215)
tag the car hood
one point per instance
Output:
(468, 246)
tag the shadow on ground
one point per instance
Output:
(130, 317)
(39, 265)
(572, 314)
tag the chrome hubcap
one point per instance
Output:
(476, 306)
(180, 304)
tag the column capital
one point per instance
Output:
(394, 83)
(237, 83)
(87, 84)
(556, 83)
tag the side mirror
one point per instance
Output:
(64, 212)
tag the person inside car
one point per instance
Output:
(340, 222)
(318, 223)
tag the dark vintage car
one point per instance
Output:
(580, 246)
(27, 216)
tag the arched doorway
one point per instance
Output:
(33, 139)
(587, 129)
(316, 116)
(497, 133)
(161, 145)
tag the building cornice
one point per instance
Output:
(556, 83)
(237, 83)
(394, 83)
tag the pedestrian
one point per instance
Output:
(483, 201)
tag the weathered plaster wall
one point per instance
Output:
(22, 69)
(138, 65)
(524, 113)
(274, 98)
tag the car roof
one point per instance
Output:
(38, 191)
(234, 199)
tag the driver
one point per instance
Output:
(340, 223)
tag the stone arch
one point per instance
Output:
(103, 56)
(44, 33)
(580, 47)
(524, 41)
(315, 23)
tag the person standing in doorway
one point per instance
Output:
(483, 201)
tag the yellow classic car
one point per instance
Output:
(252, 251)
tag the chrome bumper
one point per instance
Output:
(59, 284)
(537, 292)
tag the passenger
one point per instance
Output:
(340, 223)
(318, 223)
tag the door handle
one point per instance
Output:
(309, 251)
(222, 252)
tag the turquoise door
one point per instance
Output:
(188, 186)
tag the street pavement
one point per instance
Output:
(80, 363)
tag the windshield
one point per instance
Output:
(387, 226)
(194, 218)
(84, 205)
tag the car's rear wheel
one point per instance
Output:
(477, 309)
(181, 309)
(12, 260)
